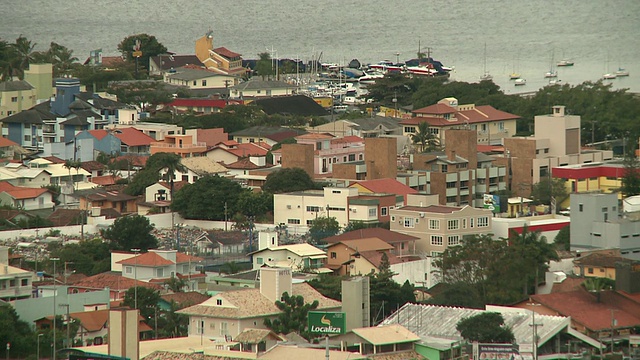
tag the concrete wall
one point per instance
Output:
(380, 157)
(417, 272)
(300, 156)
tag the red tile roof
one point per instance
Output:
(136, 160)
(54, 159)
(92, 165)
(4, 142)
(115, 282)
(375, 257)
(385, 235)
(184, 299)
(479, 114)
(129, 136)
(245, 164)
(147, 259)
(584, 308)
(20, 193)
(248, 149)
(105, 180)
(223, 51)
(439, 109)
(211, 137)
(177, 185)
(489, 148)
(385, 186)
(182, 258)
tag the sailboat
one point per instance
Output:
(514, 75)
(486, 75)
(551, 73)
(609, 75)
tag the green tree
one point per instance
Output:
(22, 55)
(172, 324)
(141, 180)
(7, 56)
(323, 227)
(17, 332)
(170, 163)
(264, 65)
(487, 327)
(387, 295)
(88, 257)
(288, 180)
(530, 252)
(176, 284)
(459, 294)
(147, 302)
(328, 285)
(563, 239)
(293, 316)
(256, 204)
(149, 46)
(542, 191)
(424, 138)
(631, 175)
(130, 232)
(205, 198)
(357, 225)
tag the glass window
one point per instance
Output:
(453, 240)
(436, 240)
(434, 224)
(453, 224)
(408, 222)
(373, 212)
(383, 211)
(483, 221)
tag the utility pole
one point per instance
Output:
(225, 216)
(54, 305)
(68, 324)
(534, 327)
(135, 277)
(65, 270)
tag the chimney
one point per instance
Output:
(274, 282)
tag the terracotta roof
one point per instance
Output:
(182, 258)
(388, 236)
(479, 114)
(584, 308)
(601, 260)
(245, 149)
(108, 61)
(128, 136)
(369, 244)
(184, 299)
(20, 193)
(245, 164)
(316, 136)
(135, 160)
(568, 284)
(65, 217)
(250, 303)
(104, 180)
(4, 142)
(389, 186)
(177, 185)
(214, 103)
(439, 109)
(147, 259)
(113, 281)
(223, 51)
(490, 148)
(92, 165)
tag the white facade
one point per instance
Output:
(301, 208)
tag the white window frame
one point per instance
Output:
(453, 224)
(483, 221)
(434, 224)
(409, 222)
(437, 240)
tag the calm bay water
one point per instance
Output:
(526, 36)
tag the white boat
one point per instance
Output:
(422, 70)
(555, 81)
(565, 63)
(551, 74)
(622, 72)
(520, 82)
(609, 76)
(386, 66)
(485, 75)
(370, 78)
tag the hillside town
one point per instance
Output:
(205, 206)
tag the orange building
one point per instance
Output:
(183, 145)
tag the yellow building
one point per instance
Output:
(605, 177)
(598, 264)
(16, 96)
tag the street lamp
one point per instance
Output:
(534, 327)
(135, 277)
(38, 347)
(54, 305)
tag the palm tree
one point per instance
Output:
(7, 55)
(171, 163)
(62, 59)
(23, 54)
(424, 138)
(534, 251)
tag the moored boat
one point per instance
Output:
(565, 63)
(520, 82)
(622, 72)
(609, 76)
(551, 74)
(514, 76)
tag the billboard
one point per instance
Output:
(497, 352)
(326, 323)
(492, 202)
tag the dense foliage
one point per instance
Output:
(485, 271)
(288, 180)
(487, 327)
(293, 316)
(88, 257)
(323, 227)
(130, 232)
(205, 198)
(547, 188)
(149, 47)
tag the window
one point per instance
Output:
(580, 207)
(204, 82)
(604, 209)
(334, 255)
(223, 329)
(483, 221)
(12, 283)
(200, 327)
(313, 208)
(393, 218)
(436, 253)
(453, 240)
(259, 261)
(444, 168)
(373, 212)
(185, 268)
(434, 224)
(27, 138)
(160, 272)
(470, 222)
(453, 224)
(293, 221)
(195, 82)
(219, 302)
(590, 270)
(309, 222)
(436, 240)
(408, 222)
(464, 223)
(383, 211)
(25, 282)
(14, 99)
(352, 157)
(451, 184)
(128, 269)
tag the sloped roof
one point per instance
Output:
(92, 165)
(415, 316)
(17, 85)
(177, 185)
(176, 61)
(184, 299)
(254, 336)
(105, 180)
(246, 164)
(366, 244)
(584, 308)
(192, 73)
(147, 259)
(65, 217)
(375, 257)
(601, 260)
(20, 193)
(114, 281)
(223, 51)
(386, 334)
(436, 109)
(4, 142)
(478, 114)
(133, 137)
(202, 165)
(385, 186)
(250, 303)
(388, 236)
(298, 249)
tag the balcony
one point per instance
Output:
(199, 145)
